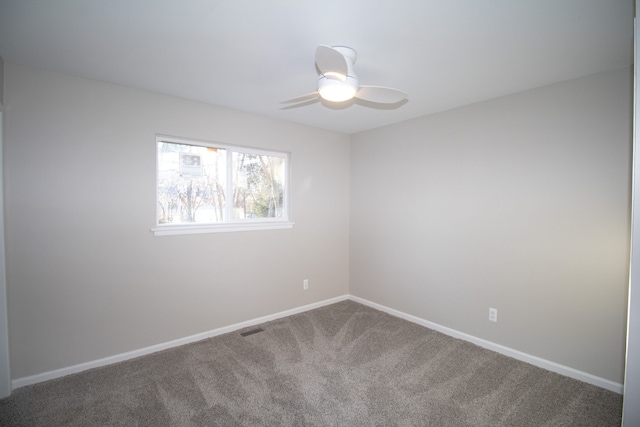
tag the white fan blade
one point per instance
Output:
(301, 98)
(331, 63)
(380, 95)
(301, 104)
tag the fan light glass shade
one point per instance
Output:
(335, 90)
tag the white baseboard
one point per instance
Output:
(533, 360)
(537, 361)
(45, 376)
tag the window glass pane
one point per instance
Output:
(191, 184)
(205, 187)
(258, 186)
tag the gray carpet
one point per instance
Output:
(341, 365)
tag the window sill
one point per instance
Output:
(172, 230)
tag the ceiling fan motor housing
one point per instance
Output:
(333, 89)
(349, 54)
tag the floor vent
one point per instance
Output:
(251, 332)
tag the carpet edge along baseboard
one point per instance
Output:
(524, 357)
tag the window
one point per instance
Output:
(206, 187)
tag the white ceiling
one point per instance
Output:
(251, 54)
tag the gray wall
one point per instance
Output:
(521, 203)
(1, 82)
(86, 277)
(5, 373)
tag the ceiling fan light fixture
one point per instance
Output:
(336, 91)
(338, 81)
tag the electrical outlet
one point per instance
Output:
(493, 314)
(305, 284)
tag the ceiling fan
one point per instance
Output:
(338, 82)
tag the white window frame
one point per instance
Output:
(231, 225)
